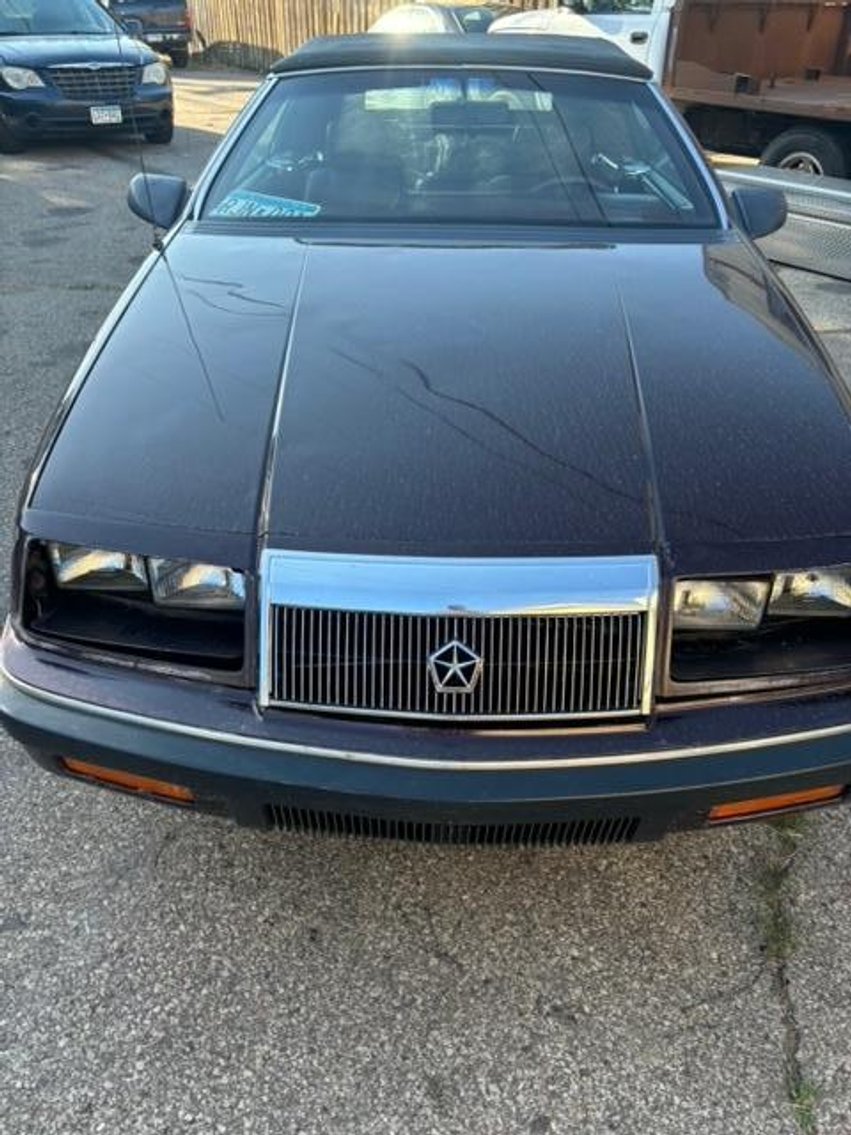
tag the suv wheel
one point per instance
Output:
(162, 135)
(10, 142)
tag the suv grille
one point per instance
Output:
(542, 833)
(551, 666)
(114, 83)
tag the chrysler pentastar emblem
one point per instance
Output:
(454, 669)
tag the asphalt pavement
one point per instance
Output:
(166, 973)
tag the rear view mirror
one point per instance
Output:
(133, 27)
(761, 211)
(157, 198)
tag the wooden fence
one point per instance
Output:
(253, 33)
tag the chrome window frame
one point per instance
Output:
(444, 586)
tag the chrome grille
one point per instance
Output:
(534, 666)
(111, 83)
(539, 833)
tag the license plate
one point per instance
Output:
(154, 37)
(106, 115)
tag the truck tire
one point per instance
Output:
(808, 150)
(179, 57)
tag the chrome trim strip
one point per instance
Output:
(422, 65)
(651, 633)
(436, 764)
(433, 586)
(698, 158)
(424, 585)
(469, 719)
(198, 198)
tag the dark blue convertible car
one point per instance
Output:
(68, 68)
(456, 469)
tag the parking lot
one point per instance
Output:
(165, 973)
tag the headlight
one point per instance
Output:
(789, 628)
(820, 593)
(88, 569)
(718, 604)
(159, 612)
(20, 78)
(177, 583)
(156, 74)
(171, 583)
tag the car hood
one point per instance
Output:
(46, 51)
(424, 400)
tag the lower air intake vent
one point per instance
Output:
(546, 833)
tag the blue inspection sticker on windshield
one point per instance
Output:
(246, 203)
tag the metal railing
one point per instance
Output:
(817, 234)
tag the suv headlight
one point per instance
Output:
(787, 628)
(20, 78)
(156, 74)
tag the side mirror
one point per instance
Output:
(134, 28)
(157, 198)
(761, 211)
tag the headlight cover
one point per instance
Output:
(91, 569)
(20, 78)
(170, 583)
(178, 583)
(786, 628)
(155, 74)
(161, 613)
(820, 592)
(719, 604)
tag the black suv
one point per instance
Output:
(71, 68)
(166, 24)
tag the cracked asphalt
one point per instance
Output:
(168, 973)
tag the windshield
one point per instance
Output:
(384, 146)
(54, 17)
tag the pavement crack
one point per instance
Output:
(429, 938)
(778, 944)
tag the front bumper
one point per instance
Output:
(162, 39)
(262, 770)
(44, 113)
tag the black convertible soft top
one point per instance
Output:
(565, 53)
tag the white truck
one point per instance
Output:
(765, 78)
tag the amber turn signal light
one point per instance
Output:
(129, 781)
(762, 805)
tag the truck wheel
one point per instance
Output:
(811, 151)
(179, 57)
